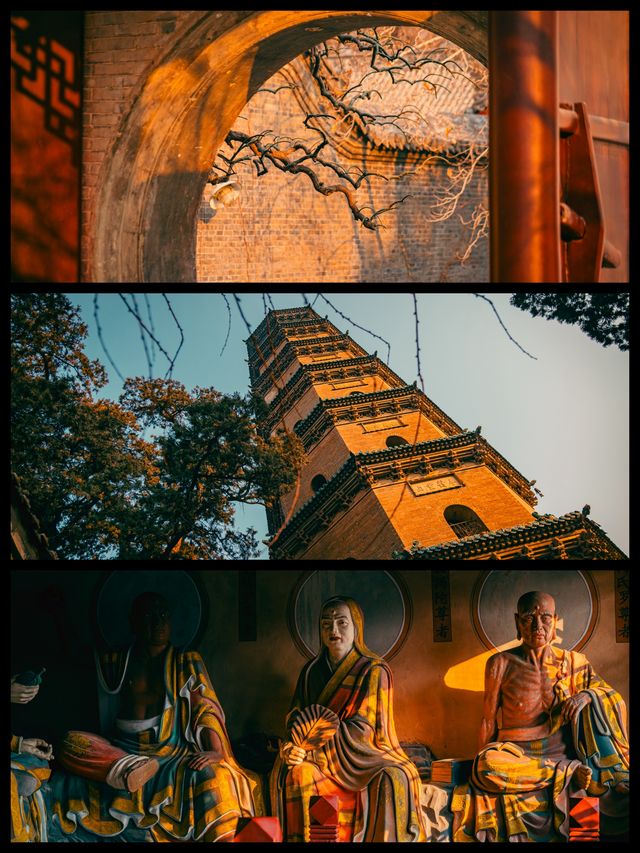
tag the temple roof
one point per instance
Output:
(28, 540)
(283, 317)
(442, 107)
(308, 346)
(542, 528)
(344, 365)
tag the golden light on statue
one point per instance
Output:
(469, 674)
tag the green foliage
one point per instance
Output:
(209, 455)
(604, 317)
(103, 491)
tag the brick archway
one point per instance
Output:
(151, 183)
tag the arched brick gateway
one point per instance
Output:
(151, 181)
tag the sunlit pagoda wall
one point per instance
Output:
(281, 229)
(438, 685)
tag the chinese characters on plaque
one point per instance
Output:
(622, 605)
(441, 604)
(425, 487)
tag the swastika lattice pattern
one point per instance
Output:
(48, 73)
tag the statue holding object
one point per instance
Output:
(342, 741)
(29, 769)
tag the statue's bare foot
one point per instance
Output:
(582, 777)
(141, 774)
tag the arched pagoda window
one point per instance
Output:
(317, 482)
(396, 441)
(464, 521)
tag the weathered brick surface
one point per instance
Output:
(421, 517)
(362, 533)
(301, 408)
(336, 446)
(326, 458)
(282, 230)
(121, 48)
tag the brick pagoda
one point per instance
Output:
(388, 472)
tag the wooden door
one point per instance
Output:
(593, 67)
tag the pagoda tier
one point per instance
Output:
(398, 478)
(326, 380)
(386, 468)
(570, 537)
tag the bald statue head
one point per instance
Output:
(150, 619)
(536, 619)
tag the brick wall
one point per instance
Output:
(363, 533)
(120, 48)
(282, 230)
(421, 517)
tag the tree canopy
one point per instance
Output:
(101, 485)
(604, 317)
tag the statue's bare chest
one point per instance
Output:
(528, 687)
(143, 688)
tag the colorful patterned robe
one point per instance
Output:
(363, 757)
(28, 805)
(519, 791)
(178, 803)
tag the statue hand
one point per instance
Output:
(572, 706)
(21, 693)
(38, 747)
(292, 754)
(201, 759)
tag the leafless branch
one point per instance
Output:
(349, 320)
(101, 339)
(272, 154)
(350, 92)
(224, 346)
(486, 299)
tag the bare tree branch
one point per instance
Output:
(486, 299)
(350, 92)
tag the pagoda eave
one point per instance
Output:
(572, 536)
(410, 464)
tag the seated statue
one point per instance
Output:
(562, 730)
(29, 769)
(167, 764)
(362, 761)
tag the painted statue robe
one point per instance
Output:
(28, 804)
(519, 791)
(178, 803)
(380, 785)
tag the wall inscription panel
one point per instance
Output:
(426, 487)
(386, 423)
(338, 384)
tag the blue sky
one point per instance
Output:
(562, 419)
